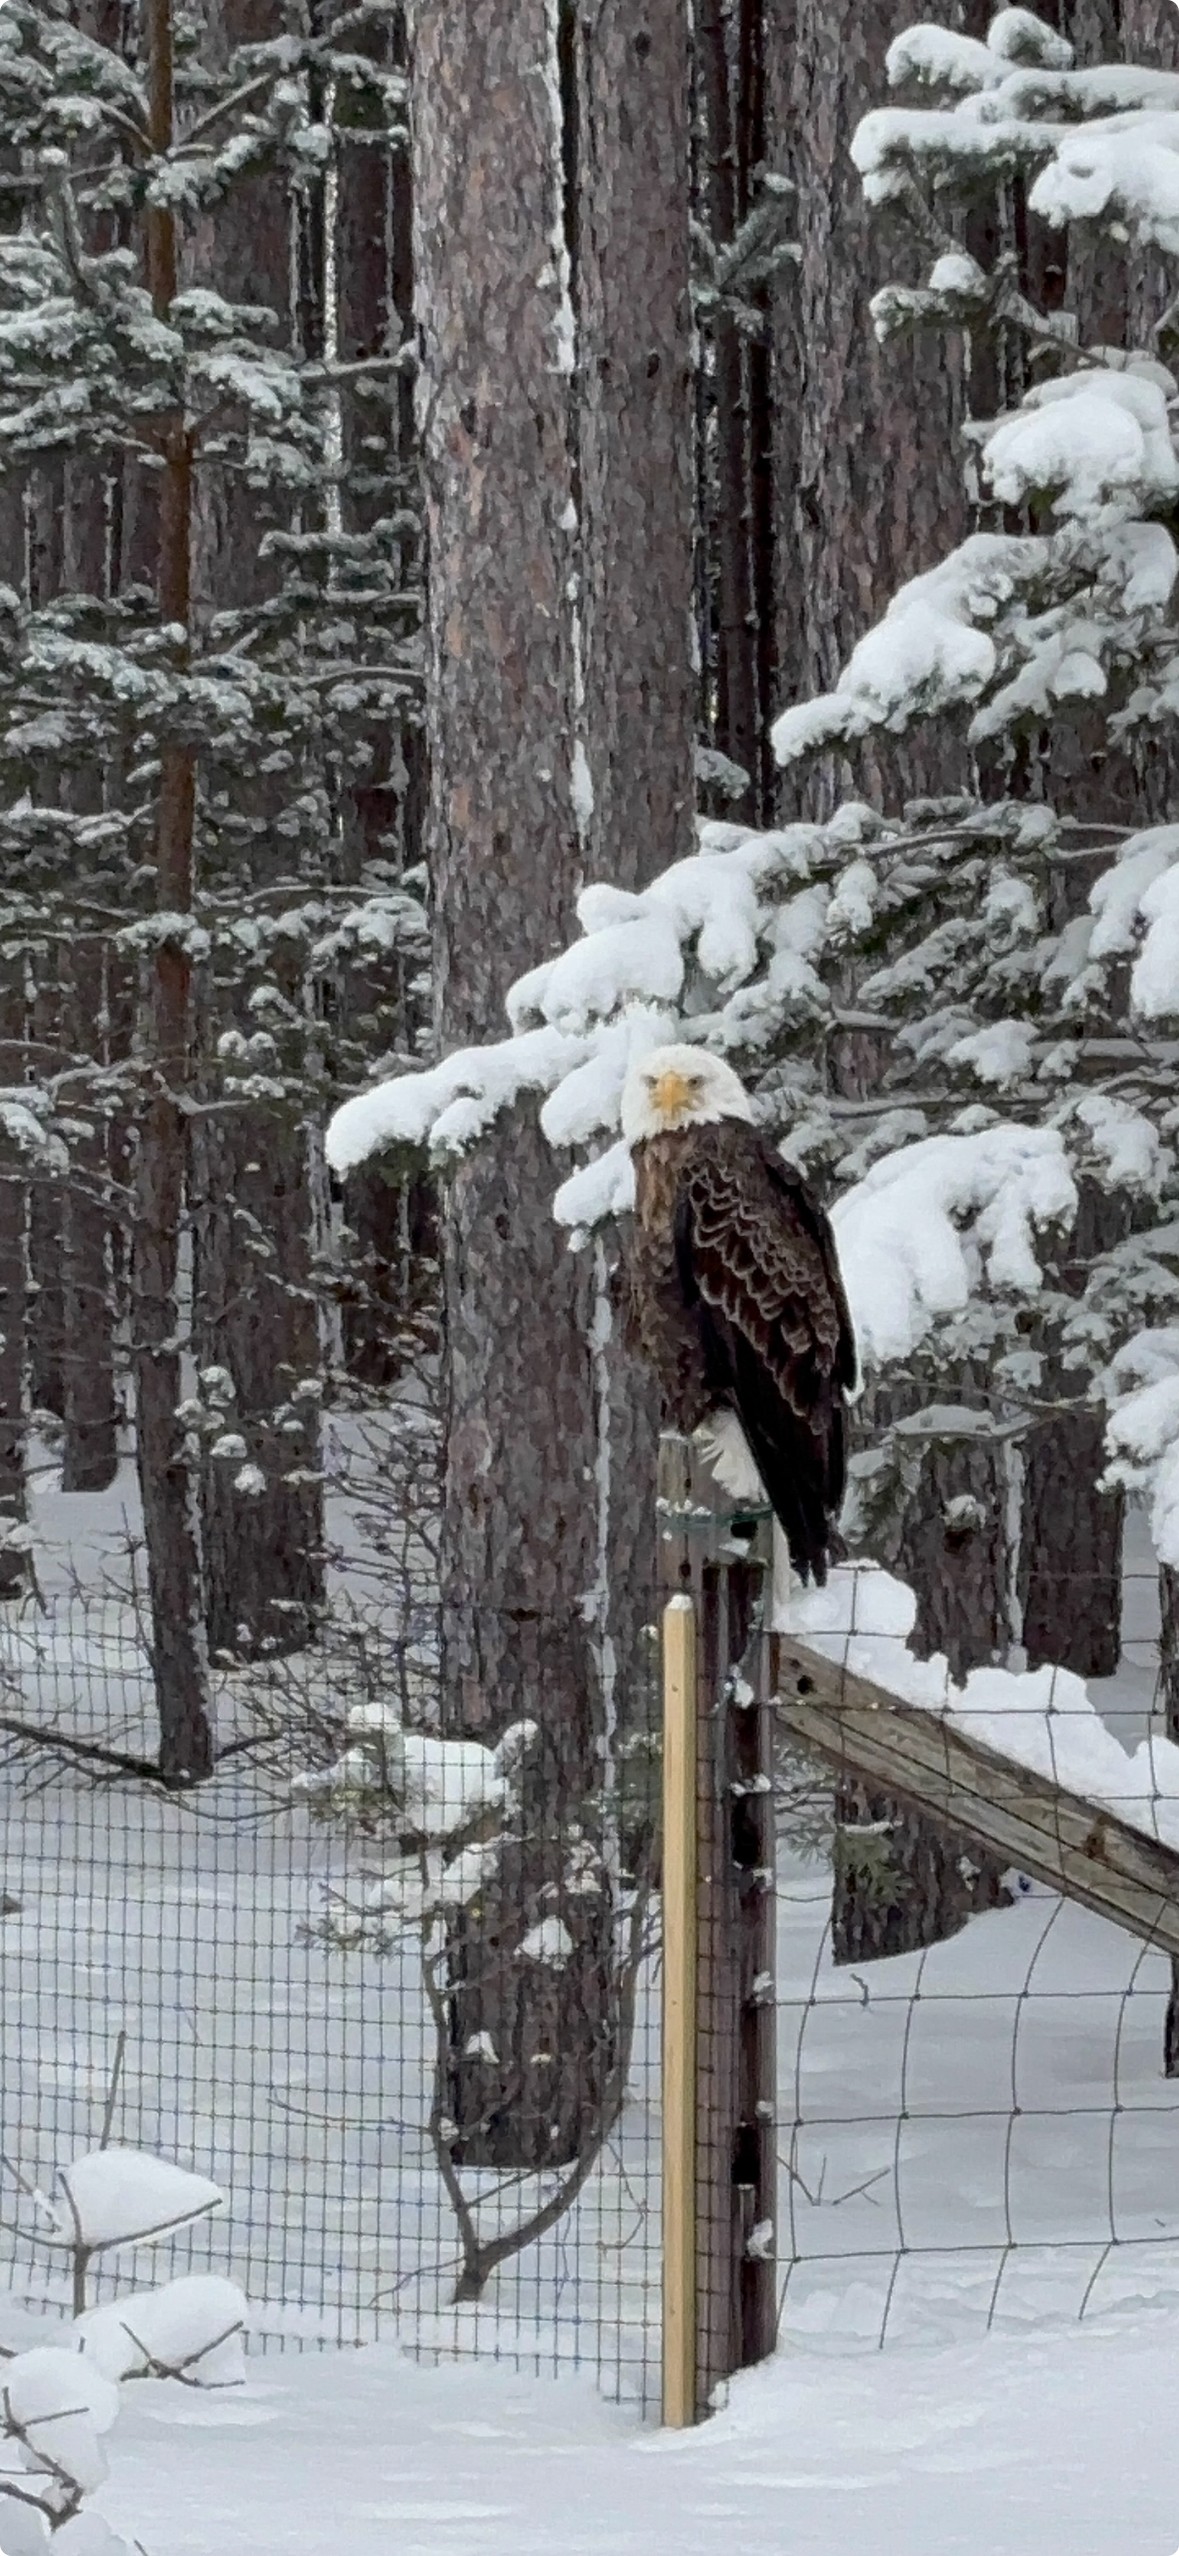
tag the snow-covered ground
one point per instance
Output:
(1050, 2446)
(978, 2137)
(980, 2171)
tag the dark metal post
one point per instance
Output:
(736, 2151)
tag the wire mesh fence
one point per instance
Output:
(397, 1994)
(978, 2130)
(392, 1992)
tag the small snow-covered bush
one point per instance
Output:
(58, 2401)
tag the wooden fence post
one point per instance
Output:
(679, 2010)
(735, 2135)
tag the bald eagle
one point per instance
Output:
(736, 1300)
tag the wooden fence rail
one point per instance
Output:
(1056, 1836)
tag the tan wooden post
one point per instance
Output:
(679, 2010)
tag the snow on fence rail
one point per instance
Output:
(981, 2130)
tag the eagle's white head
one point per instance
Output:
(676, 1087)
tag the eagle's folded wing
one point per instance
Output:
(757, 1259)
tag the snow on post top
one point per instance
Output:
(123, 2196)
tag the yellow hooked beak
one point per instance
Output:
(671, 1094)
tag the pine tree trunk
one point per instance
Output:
(14, 1305)
(504, 852)
(954, 1553)
(871, 491)
(255, 1219)
(46, 1345)
(627, 162)
(1169, 1698)
(90, 1450)
(737, 724)
(1071, 1530)
(46, 520)
(389, 1302)
(1071, 1569)
(903, 1881)
(89, 1397)
(868, 458)
(179, 1656)
(752, 158)
(15, 1300)
(390, 1223)
(259, 1322)
(14, 1566)
(534, 1507)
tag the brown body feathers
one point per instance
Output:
(738, 1305)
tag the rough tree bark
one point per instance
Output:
(1071, 1571)
(14, 1574)
(870, 491)
(736, 724)
(901, 1881)
(867, 458)
(504, 852)
(530, 1512)
(953, 1547)
(89, 1398)
(179, 1657)
(90, 1445)
(90, 1402)
(1070, 1580)
(1072, 1530)
(735, 461)
(14, 1301)
(255, 1303)
(390, 1223)
(627, 172)
(1169, 1700)
(44, 503)
(627, 116)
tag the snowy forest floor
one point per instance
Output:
(979, 2150)
(1061, 2446)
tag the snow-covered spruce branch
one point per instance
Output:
(1025, 1038)
(749, 946)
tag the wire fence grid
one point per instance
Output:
(299, 1981)
(399, 1998)
(980, 2131)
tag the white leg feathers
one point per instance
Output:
(783, 1583)
(723, 1444)
(725, 1449)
